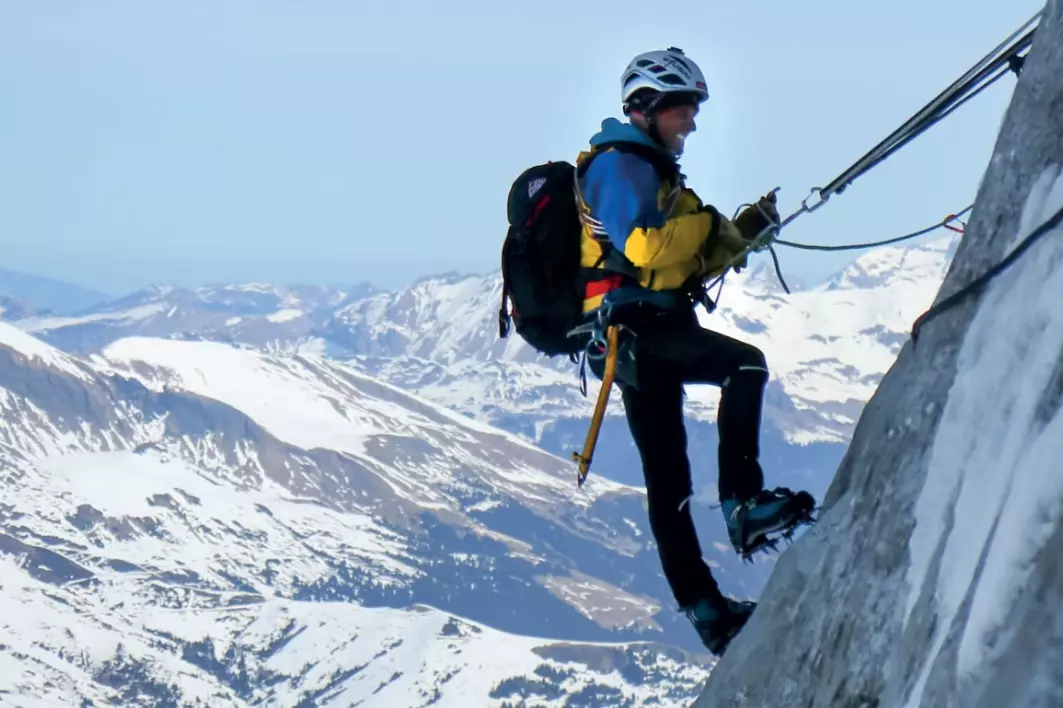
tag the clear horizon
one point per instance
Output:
(188, 144)
(791, 276)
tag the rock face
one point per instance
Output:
(934, 575)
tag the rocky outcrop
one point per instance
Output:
(934, 575)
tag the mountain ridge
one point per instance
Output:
(827, 346)
(136, 485)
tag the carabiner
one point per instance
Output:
(805, 208)
(597, 347)
(817, 205)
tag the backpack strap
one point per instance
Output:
(503, 310)
(612, 259)
(667, 168)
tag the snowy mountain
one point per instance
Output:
(933, 576)
(270, 317)
(255, 651)
(15, 308)
(827, 346)
(197, 523)
(249, 464)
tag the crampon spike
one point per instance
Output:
(771, 542)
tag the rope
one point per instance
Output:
(754, 246)
(942, 105)
(873, 244)
(980, 282)
(778, 270)
(962, 90)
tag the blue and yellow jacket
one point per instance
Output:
(642, 227)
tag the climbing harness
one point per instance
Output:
(604, 344)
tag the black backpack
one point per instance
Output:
(541, 274)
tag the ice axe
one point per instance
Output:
(584, 459)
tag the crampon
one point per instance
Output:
(801, 509)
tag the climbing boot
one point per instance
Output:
(717, 623)
(758, 523)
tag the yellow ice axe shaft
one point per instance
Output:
(584, 459)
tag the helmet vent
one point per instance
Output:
(679, 61)
(665, 71)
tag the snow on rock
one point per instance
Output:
(305, 400)
(120, 650)
(123, 317)
(286, 399)
(22, 344)
(182, 556)
(286, 315)
(267, 316)
(827, 346)
(127, 485)
(994, 458)
(932, 578)
(832, 343)
(260, 423)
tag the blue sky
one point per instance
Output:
(191, 142)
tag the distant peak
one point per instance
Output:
(879, 266)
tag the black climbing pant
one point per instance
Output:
(670, 350)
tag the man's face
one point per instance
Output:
(675, 123)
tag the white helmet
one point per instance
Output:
(668, 71)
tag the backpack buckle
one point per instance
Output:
(599, 329)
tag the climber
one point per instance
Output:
(649, 244)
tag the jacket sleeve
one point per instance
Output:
(621, 190)
(723, 245)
